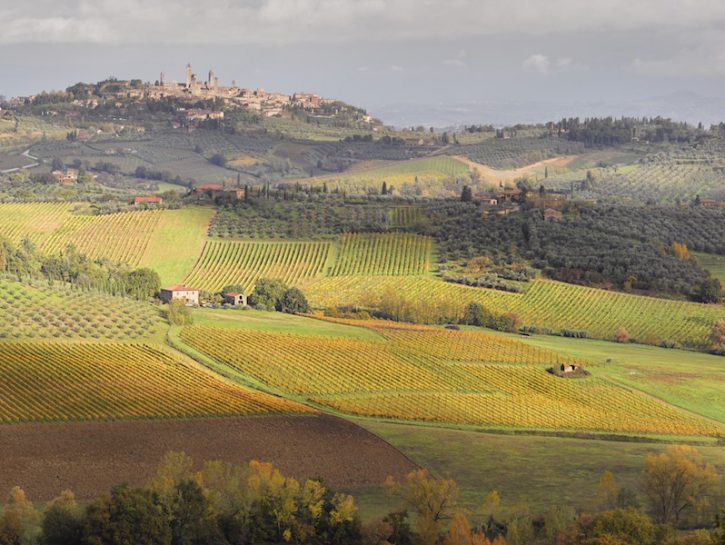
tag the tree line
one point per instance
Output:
(254, 503)
(24, 262)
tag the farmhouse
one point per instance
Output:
(235, 299)
(568, 367)
(148, 199)
(709, 203)
(180, 292)
(552, 215)
(66, 177)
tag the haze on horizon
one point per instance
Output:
(429, 62)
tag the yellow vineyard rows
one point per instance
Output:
(420, 373)
(34, 221)
(383, 254)
(57, 381)
(234, 262)
(119, 237)
(555, 305)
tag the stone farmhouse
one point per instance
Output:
(148, 199)
(235, 299)
(66, 177)
(180, 292)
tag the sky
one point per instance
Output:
(409, 62)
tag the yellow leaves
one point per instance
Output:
(343, 509)
(313, 498)
(174, 468)
(679, 249)
(608, 489)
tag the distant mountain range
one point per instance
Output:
(681, 106)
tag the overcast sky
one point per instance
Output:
(427, 61)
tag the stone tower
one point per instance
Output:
(188, 75)
(211, 83)
(161, 79)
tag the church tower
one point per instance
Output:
(188, 75)
(211, 82)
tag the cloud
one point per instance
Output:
(544, 65)
(537, 63)
(692, 57)
(459, 61)
(335, 21)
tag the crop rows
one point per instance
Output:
(58, 381)
(518, 152)
(385, 254)
(555, 305)
(119, 237)
(34, 221)
(29, 312)
(410, 375)
(234, 262)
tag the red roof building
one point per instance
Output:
(148, 199)
(180, 292)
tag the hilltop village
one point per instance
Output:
(193, 100)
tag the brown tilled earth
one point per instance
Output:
(89, 458)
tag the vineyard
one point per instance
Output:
(436, 375)
(518, 152)
(549, 304)
(386, 254)
(28, 312)
(67, 381)
(232, 262)
(121, 237)
(32, 221)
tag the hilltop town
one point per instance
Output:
(193, 100)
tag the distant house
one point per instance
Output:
(568, 367)
(180, 292)
(66, 177)
(488, 201)
(235, 299)
(552, 215)
(709, 203)
(148, 199)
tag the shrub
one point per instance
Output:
(622, 336)
(267, 293)
(293, 301)
(179, 314)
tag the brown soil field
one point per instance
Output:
(89, 458)
(509, 176)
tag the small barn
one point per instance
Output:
(235, 299)
(148, 199)
(552, 215)
(180, 292)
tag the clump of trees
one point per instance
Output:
(273, 294)
(178, 313)
(23, 262)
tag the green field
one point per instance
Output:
(542, 470)
(176, 244)
(713, 263)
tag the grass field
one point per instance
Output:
(437, 375)
(176, 243)
(226, 262)
(555, 305)
(61, 381)
(28, 312)
(713, 263)
(541, 470)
